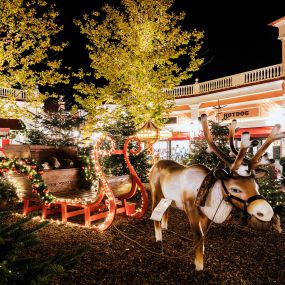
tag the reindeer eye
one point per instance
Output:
(235, 190)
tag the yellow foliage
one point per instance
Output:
(28, 32)
(136, 50)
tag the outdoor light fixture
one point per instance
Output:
(165, 134)
(149, 132)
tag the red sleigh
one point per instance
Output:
(102, 206)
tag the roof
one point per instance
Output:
(277, 22)
(259, 132)
(12, 124)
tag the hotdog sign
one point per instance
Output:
(236, 113)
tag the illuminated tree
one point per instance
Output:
(137, 51)
(29, 46)
(200, 153)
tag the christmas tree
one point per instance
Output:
(269, 186)
(8, 194)
(56, 127)
(15, 268)
(200, 154)
(115, 165)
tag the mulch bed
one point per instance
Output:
(234, 253)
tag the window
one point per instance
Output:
(171, 120)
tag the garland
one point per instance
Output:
(34, 172)
(88, 168)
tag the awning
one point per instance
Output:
(259, 132)
(12, 124)
(177, 136)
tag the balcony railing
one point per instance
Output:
(16, 93)
(236, 80)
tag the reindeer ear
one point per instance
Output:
(221, 174)
(259, 173)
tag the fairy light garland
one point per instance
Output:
(34, 172)
(106, 188)
(139, 212)
(88, 168)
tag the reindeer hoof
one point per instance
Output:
(199, 266)
(164, 225)
(158, 235)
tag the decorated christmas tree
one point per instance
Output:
(16, 268)
(8, 194)
(269, 186)
(115, 164)
(56, 126)
(200, 154)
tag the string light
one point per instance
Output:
(34, 172)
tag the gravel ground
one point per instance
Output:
(127, 253)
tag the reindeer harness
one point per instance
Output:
(209, 181)
(229, 198)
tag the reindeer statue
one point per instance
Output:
(233, 185)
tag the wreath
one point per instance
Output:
(34, 172)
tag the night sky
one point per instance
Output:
(237, 36)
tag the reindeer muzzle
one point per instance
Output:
(261, 210)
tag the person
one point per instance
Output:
(177, 153)
(183, 152)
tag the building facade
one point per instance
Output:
(255, 98)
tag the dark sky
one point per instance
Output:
(237, 35)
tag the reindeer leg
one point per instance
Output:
(156, 194)
(196, 225)
(204, 221)
(164, 221)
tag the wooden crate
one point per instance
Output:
(62, 180)
(16, 151)
(59, 180)
(120, 185)
(41, 152)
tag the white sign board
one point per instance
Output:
(160, 209)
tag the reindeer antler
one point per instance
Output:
(245, 144)
(224, 157)
(232, 129)
(259, 159)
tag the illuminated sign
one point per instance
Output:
(241, 113)
(235, 113)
